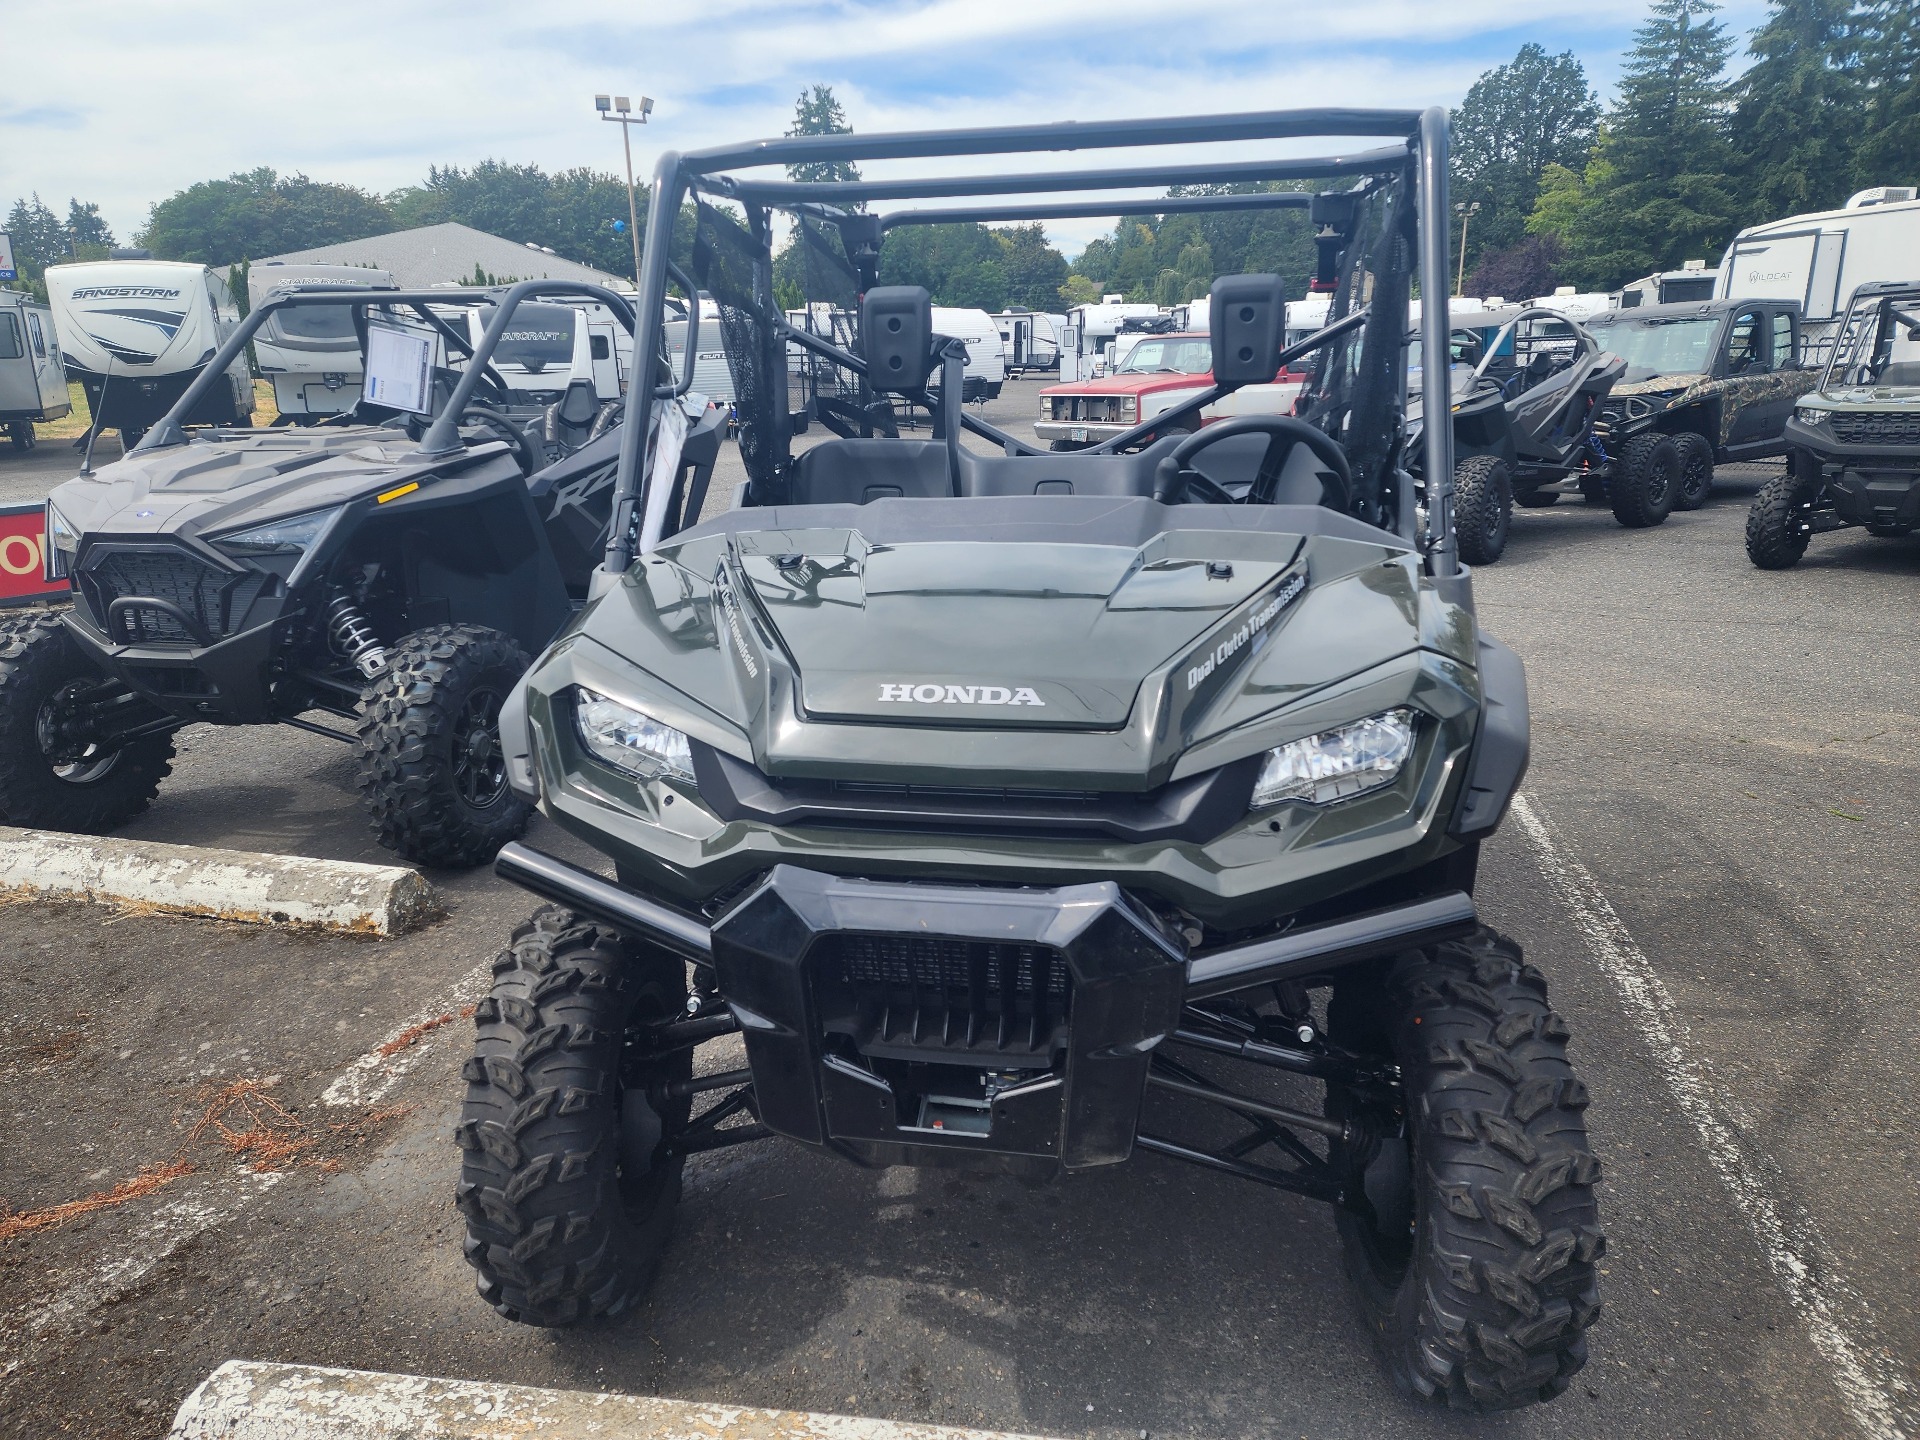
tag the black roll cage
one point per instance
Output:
(1420, 156)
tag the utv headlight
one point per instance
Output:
(1337, 764)
(627, 740)
(291, 536)
(63, 543)
(1811, 415)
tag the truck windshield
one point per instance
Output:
(1181, 356)
(1653, 348)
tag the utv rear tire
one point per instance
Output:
(1696, 470)
(1646, 483)
(1482, 507)
(432, 773)
(93, 791)
(565, 1180)
(1481, 1284)
(1776, 525)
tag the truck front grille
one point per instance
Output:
(1877, 427)
(1099, 409)
(918, 996)
(216, 600)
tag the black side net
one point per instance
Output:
(1355, 388)
(734, 264)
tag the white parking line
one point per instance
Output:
(225, 1195)
(1841, 1323)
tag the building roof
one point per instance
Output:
(446, 254)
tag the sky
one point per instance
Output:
(166, 95)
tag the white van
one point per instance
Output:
(1820, 259)
(33, 382)
(311, 353)
(986, 368)
(137, 332)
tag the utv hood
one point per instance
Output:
(210, 485)
(1141, 629)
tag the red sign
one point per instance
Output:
(23, 548)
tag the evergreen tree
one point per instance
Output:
(86, 230)
(1889, 46)
(1801, 108)
(817, 112)
(1657, 188)
(1518, 119)
(38, 238)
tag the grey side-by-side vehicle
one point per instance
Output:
(1026, 812)
(380, 578)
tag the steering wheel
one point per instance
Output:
(500, 425)
(1336, 489)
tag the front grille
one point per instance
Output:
(1877, 428)
(216, 600)
(1099, 409)
(917, 995)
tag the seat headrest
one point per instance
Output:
(580, 404)
(896, 336)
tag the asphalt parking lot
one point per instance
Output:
(1713, 864)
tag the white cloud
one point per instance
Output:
(163, 96)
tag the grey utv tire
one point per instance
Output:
(432, 774)
(566, 1183)
(1646, 483)
(1777, 532)
(91, 791)
(1696, 470)
(1474, 1262)
(1482, 508)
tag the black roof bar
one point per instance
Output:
(1323, 123)
(789, 192)
(1099, 209)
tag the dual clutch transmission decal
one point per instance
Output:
(735, 622)
(1242, 635)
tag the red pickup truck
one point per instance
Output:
(1159, 372)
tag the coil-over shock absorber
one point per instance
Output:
(354, 637)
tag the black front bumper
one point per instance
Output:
(933, 1024)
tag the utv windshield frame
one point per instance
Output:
(1879, 307)
(1415, 162)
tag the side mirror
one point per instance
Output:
(896, 334)
(1248, 317)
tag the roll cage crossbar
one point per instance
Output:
(442, 436)
(1417, 154)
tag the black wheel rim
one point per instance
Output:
(479, 765)
(71, 752)
(1694, 486)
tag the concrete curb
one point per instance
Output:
(247, 1400)
(222, 884)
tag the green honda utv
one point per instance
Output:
(1039, 812)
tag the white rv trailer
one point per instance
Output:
(1572, 303)
(711, 377)
(555, 342)
(1692, 281)
(33, 382)
(1822, 258)
(1090, 329)
(1031, 339)
(986, 357)
(137, 332)
(311, 353)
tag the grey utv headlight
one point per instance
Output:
(1811, 414)
(1337, 764)
(63, 543)
(627, 740)
(291, 536)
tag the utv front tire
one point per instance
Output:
(566, 1181)
(1777, 528)
(1696, 470)
(1482, 507)
(51, 776)
(1474, 1257)
(432, 773)
(1646, 483)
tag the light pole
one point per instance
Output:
(1466, 212)
(618, 109)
